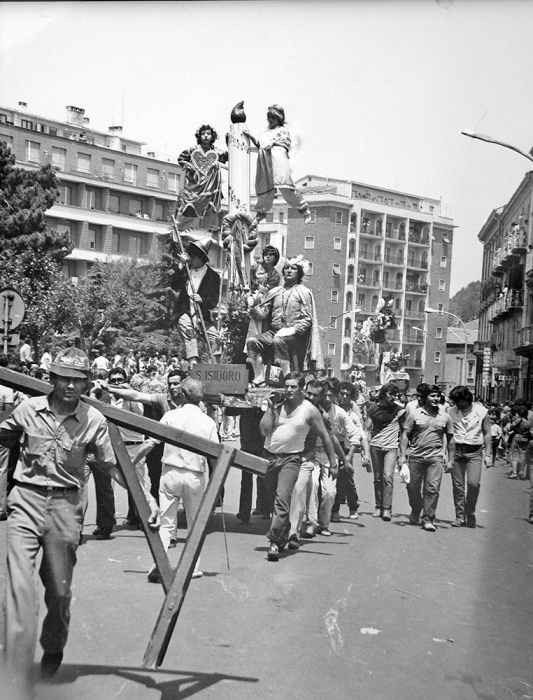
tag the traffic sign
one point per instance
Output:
(12, 308)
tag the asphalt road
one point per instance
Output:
(380, 610)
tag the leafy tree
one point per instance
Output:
(465, 303)
(30, 252)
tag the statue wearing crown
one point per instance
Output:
(292, 338)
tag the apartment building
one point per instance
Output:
(505, 345)
(116, 195)
(368, 243)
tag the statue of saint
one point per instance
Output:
(274, 168)
(200, 200)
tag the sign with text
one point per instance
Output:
(221, 379)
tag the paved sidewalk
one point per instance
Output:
(380, 610)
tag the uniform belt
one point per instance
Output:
(133, 443)
(61, 490)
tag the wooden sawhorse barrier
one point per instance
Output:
(221, 457)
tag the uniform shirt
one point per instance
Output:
(427, 432)
(193, 420)
(467, 429)
(53, 453)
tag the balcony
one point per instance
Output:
(412, 288)
(417, 264)
(411, 313)
(414, 339)
(524, 345)
(512, 299)
(396, 260)
(418, 238)
(514, 244)
(413, 364)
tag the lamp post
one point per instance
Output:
(489, 139)
(429, 310)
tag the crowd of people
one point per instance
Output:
(315, 433)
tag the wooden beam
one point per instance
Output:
(146, 426)
(134, 487)
(168, 616)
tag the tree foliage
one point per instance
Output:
(465, 303)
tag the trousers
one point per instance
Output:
(320, 497)
(424, 486)
(280, 478)
(51, 523)
(188, 331)
(292, 196)
(466, 470)
(299, 496)
(383, 463)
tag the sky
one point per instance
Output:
(379, 90)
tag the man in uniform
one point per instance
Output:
(45, 508)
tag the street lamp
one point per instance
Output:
(489, 139)
(429, 310)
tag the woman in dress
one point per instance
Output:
(273, 166)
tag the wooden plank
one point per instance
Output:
(168, 616)
(146, 426)
(134, 487)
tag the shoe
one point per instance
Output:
(50, 664)
(429, 527)
(265, 517)
(335, 518)
(173, 542)
(103, 533)
(273, 552)
(153, 575)
(324, 532)
(197, 574)
(387, 515)
(458, 522)
(293, 542)
(376, 513)
(414, 519)
(80, 541)
(135, 524)
(309, 532)
(531, 520)
(470, 520)
(354, 515)
(244, 519)
(256, 512)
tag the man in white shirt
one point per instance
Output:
(25, 353)
(185, 473)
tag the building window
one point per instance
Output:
(152, 178)
(335, 296)
(437, 356)
(269, 218)
(135, 246)
(95, 239)
(309, 243)
(438, 333)
(443, 260)
(108, 168)
(310, 269)
(7, 139)
(331, 348)
(83, 164)
(440, 307)
(159, 211)
(33, 151)
(172, 182)
(26, 124)
(281, 217)
(442, 285)
(336, 269)
(115, 243)
(64, 228)
(90, 198)
(114, 204)
(333, 321)
(313, 216)
(65, 194)
(130, 173)
(135, 207)
(338, 217)
(337, 243)
(59, 157)
(470, 370)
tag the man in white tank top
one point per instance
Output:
(285, 427)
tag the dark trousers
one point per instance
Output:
(346, 492)
(281, 476)
(105, 496)
(424, 486)
(383, 464)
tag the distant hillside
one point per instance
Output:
(465, 303)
